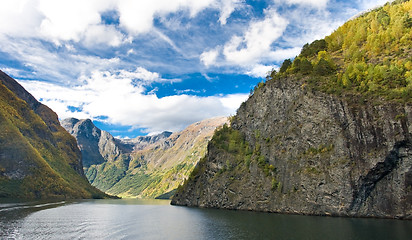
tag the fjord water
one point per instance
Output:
(157, 219)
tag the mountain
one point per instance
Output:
(147, 166)
(329, 134)
(38, 158)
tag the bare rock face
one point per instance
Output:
(88, 139)
(313, 153)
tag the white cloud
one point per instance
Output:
(59, 67)
(228, 6)
(79, 20)
(256, 42)
(313, 3)
(116, 96)
(233, 101)
(19, 18)
(75, 20)
(209, 57)
(278, 36)
(250, 50)
(260, 71)
(282, 54)
(137, 16)
(11, 71)
(100, 34)
(144, 75)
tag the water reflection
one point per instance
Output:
(13, 211)
(156, 219)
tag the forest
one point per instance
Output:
(369, 56)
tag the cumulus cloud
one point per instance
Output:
(100, 34)
(22, 14)
(116, 97)
(77, 20)
(209, 57)
(260, 70)
(257, 40)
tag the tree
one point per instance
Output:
(383, 18)
(305, 66)
(296, 65)
(312, 49)
(407, 22)
(285, 65)
(323, 67)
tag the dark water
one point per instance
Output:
(156, 219)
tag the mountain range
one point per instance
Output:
(146, 166)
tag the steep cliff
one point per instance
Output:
(147, 166)
(38, 158)
(310, 153)
(305, 143)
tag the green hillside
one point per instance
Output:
(369, 56)
(38, 158)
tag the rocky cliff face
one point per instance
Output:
(310, 153)
(329, 134)
(38, 158)
(89, 139)
(147, 166)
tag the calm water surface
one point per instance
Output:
(156, 219)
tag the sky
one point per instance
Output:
(140, 67)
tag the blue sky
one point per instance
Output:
(141, 67)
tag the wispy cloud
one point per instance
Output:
(311, 3)
(228, 7)
(62, 66)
